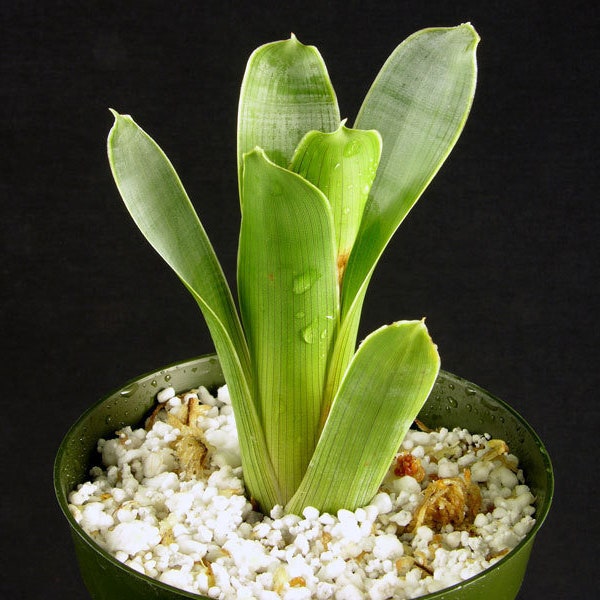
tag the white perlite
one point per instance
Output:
(202, 535)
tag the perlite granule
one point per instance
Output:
(170, 503)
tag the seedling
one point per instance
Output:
(318, 421)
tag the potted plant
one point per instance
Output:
(318, 422)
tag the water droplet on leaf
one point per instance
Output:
(129, 391)
(304, 281)
(308, 334)
(352, 148)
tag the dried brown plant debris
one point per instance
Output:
(449, 501)
(190, 448)
(192, 455)
(149, 424)
(407, 464)
(498, 450)
(422, 427)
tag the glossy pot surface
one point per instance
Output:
(454, 402)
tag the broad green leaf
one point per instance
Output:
(159, 205)
(289, 300)
(286, 91)
(342, 164)
(387, 383)
(419, 103)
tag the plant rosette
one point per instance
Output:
(318, 421)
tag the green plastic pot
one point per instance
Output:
(453, 402)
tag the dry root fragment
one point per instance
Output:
(422, 426)
(186, 415)
(496, 448)
(173, 421)
(407, 464)
(192, 455)
(190, 449)
(179, 413)
(404, 565)
(280, 579)
(195, 410)
(493, 555)
(149, 424)
(450, 501)
(445, 452)
(514, 467)
(207, 567)
(167, 537)
(423, 567)
(228, 492)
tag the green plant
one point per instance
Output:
(318, 423)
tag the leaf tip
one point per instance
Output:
(257, 151)
(475, 39)
(293, 41)
(119, 118)
(112, 131)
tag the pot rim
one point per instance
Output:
(540, 514)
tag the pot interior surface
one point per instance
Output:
(454, 402)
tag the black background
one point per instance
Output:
(500, 254)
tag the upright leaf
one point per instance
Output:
(286, 92)
(342, 164)
(419, 103)
(289, 301)
(383, 390)
(155, 198)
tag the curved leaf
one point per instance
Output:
(285, 92)
(419, 103)
(342, 164)
(160, 207)
(289, 301)
(385, 386)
